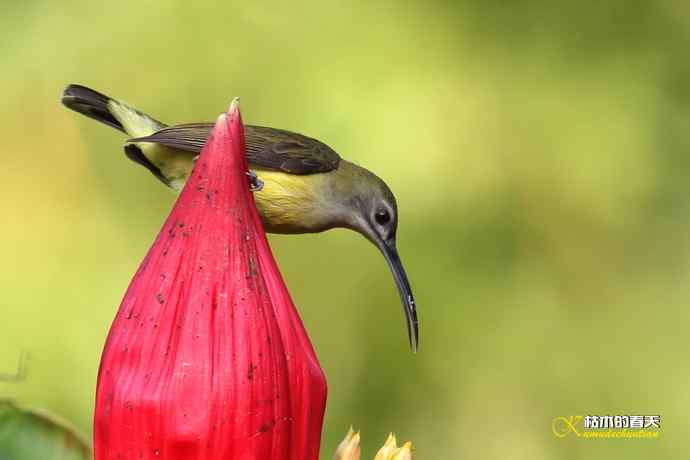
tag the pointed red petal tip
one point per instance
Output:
(207, 357)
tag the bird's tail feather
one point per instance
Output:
(109, 111)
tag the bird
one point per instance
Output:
(301, 185)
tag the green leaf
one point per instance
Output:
(35, 435)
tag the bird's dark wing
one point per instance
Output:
(189, 137)
(268, 148)
(289, 152)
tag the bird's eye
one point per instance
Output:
(382, 217)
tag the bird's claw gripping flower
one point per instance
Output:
(349, 449)
(207, 357)
(255, 184)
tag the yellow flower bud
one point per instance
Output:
(388, 449)
(349, 447)
(404, 453)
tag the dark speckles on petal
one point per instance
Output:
(250, 371)
(251, 267)
(266, 426)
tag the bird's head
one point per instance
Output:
(372, 211)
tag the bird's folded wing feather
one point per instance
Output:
(267, 148)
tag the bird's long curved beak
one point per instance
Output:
(390, 252)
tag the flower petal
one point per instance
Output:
(207, 357)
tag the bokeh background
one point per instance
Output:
(539, 151)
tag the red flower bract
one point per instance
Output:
(207, 357)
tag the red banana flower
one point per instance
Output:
(207, 357)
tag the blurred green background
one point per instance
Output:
(539, 151)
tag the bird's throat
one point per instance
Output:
(291, 203)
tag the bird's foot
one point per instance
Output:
(255, 184)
